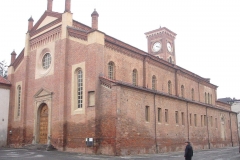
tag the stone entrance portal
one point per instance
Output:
(42, 120)
(43, 125)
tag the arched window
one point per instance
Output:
(211, 99)
(192, 94)
(169, 87)
(18, 100)
(154, 82)
(182, 91)
(170, 59)
(134, 77)
(208, 100)
(111, 67)
(79, 88)
(205, 97)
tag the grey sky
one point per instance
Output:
(207, 41)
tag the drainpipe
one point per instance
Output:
(187, 122)
(144, 72)
(155, 123)
(207, 129)
(231, 128)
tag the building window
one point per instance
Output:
(195, 120)
(134, 77)
(111, 72)
(216, 123)
(46, 61)
(80, 88)
(182, 91)
(154, 82)
(166, 115)
(170, 59)
(79, 97)
(190, 119)
(192, 94)
(183, 119)
(208, 99)
(19, 91)
(91, 98)
(211, 121)
(211, 99)
(201, 120)
(147, 113)
(159, 115)
(205, 97)
(205, 120)
(169, 87)
(176, 116)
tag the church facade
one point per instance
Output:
(78, 89)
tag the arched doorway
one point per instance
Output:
(43, 124)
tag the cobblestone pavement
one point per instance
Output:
(231, 153)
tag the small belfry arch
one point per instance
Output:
(42, 117)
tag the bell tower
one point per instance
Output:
(161, 44)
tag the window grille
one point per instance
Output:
(80, 88)
(46, 61)
(19, 101)
(111, 70)
(134, 77)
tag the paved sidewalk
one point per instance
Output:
(230, 153)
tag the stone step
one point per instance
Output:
(39, 147)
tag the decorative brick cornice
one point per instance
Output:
(52, 35)
(81, 26)
(125, 84)
(119, 43)
(124, 48)
(18, 60)
(107, 82)
(77, 33)
(194, 77)
(163, 30)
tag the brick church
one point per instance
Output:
(78, 89)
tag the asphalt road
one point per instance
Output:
(231, 153)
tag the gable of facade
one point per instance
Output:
(73, 83)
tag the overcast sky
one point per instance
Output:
(207, 41)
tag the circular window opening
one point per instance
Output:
(46, 61)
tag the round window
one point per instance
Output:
(46, 61)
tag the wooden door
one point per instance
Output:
(43, 125)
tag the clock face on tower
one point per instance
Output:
(156, 46)
(169, 47)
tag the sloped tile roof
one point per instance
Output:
(4, 81)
